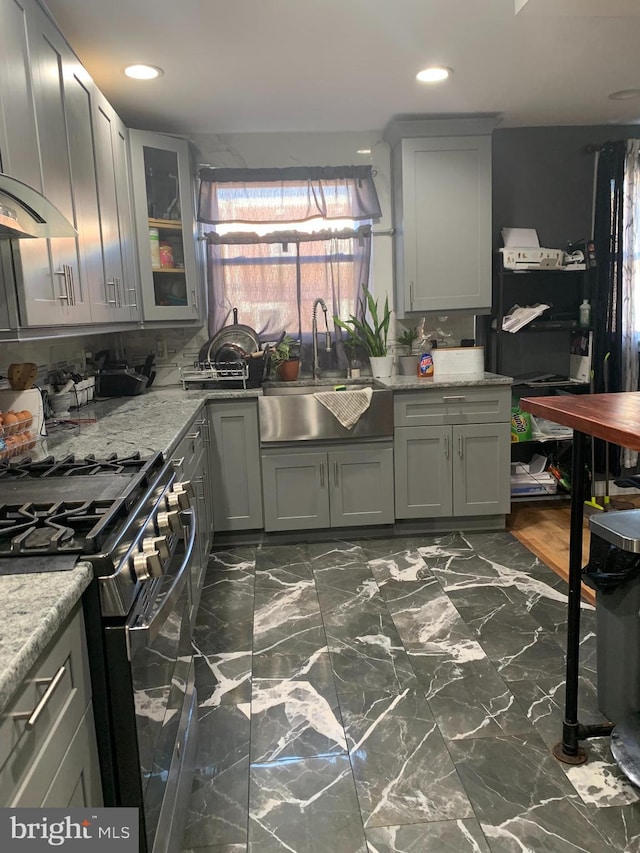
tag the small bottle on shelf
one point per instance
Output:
(584, 314)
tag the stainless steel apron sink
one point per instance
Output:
(292, 413)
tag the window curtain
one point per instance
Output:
(295, 194)
(631, 278)
(274, 277)
(285, 272)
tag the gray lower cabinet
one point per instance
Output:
(48, 750)
(445, 471)
(345, 486)
(452, 451)
(235, 465)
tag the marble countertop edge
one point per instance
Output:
(41, 613)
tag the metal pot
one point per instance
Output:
(237, 335)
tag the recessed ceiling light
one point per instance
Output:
(433, 74)
(625, 94)
(143, 72)
(363, 151)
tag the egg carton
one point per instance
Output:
(25, 426)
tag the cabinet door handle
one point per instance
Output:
(178, 463)
(410, 294)
(446, 447)
(118, 294)
(63, 272)
(322, 475)
(194, 300)
(111, 283)
(133, 304)
(193, 436)
(72, 286)
(460, 445)
(335, 473)
(455, 398)
(32, 716)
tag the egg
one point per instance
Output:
(26, 417)
(11, 421)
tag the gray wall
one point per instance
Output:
(543, 179)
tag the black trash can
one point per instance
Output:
(613, 571)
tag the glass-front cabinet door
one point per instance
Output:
(166, 228)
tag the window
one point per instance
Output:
(283, 238)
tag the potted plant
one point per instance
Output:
(371, 334)
(285, 359)
(407, 360)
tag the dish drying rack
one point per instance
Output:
(206, 371)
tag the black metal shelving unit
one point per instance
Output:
(542, 347)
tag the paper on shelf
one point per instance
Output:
(519, 317)
(520, 237)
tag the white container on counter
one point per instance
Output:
(456, 361)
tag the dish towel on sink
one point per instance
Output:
(346, 406)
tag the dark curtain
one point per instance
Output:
(607, 296)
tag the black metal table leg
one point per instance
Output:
(568, 750)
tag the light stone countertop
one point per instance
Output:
(451, 380)
(33, 608)
(35, 605)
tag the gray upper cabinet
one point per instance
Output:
(441, 186)
(51, 286)
(60, 136)
(115, 298)
(163, 188)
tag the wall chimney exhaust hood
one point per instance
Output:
(24, 212)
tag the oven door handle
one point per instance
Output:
(142, 635)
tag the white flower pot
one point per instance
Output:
(381, 366)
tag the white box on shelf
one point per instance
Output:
(457, 361)
(531, 257)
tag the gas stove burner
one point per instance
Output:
(63, 527)
(69, 466)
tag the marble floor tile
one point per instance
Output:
(396, 695)
(401, 765)
(218, 808)
(288, 621)
(280, 567)
(336, 553)
(468, 698)
(222, 679)
(296, 717)
(425, 617)
(518, 647)
(621, 826)
(305, 806)
(373, 664)
(346, 589)
(543, 703)
(522, 797)
(440, 836)
(213, 635)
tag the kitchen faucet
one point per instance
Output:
(314, 335)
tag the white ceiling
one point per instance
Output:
(236, 66)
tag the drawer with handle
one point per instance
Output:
(456, 404)
(52, 698)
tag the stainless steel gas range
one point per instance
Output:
(136, 525)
